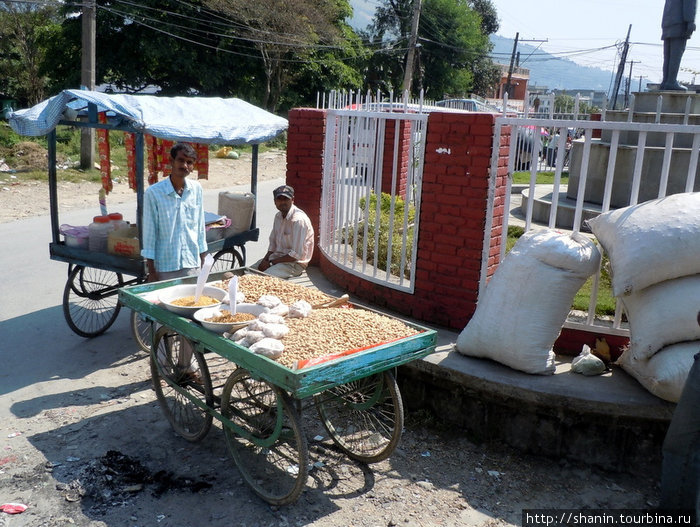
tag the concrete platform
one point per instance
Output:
(566, 207)
(608, 420)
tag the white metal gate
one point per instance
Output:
(371, 191)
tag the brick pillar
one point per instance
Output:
(305, 142)
(454, 207)
(402, 152)
(453, 215)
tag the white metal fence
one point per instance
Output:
(631, 162)
(371, 191)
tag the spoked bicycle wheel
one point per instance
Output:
(265, 438)
(182, 384)
(227, 259)
(363, 417)
(90, 301)
(142, 330)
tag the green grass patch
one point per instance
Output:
(542, 178)
(28, 155)
(379, 225)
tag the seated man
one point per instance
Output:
(291, 240)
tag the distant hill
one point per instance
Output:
(556, 73)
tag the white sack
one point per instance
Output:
(651, 242)
(280, 309)
(665, 373)
(271, 348)
(269, 301)
(276, 331)
(271, 318)
(663, 314)
(251, 337)
(299, 309)
(525, 304)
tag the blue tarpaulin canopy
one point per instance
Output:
(193, 119)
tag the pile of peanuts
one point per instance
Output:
(334, 330)
(254, 286)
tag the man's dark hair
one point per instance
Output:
(186, 148)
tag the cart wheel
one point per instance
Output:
(182, 384)
(265, 438)
(226, 260)
(364, 417)
(142, 330)
(90, 302)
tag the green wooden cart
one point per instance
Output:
(259, 401)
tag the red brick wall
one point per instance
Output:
(453, 213)
(305, 140)
(404, 143)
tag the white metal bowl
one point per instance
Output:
(204, 313)
(169, 294)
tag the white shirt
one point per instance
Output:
(293, 236)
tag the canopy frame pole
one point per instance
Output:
(254, 183)
(53, 186)
(138, 144)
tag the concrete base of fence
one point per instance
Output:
(609, 420)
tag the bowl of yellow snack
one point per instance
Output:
(220, 319)
(180, 298)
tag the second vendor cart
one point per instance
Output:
(90, 303)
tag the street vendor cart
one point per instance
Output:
(90, 302)
(200, 375)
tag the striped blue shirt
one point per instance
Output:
(173, 226)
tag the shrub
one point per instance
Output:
(381, 229)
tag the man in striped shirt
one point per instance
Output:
(291, 240)
(173, 232)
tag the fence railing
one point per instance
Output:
(370, 203)
(601, 165)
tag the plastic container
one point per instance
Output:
(76, 236)
(99, 231)
(117, 221)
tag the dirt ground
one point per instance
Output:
(22, 199)
(101, 454)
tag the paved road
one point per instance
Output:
(36, 344)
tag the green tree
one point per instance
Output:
(270, 52)
(25, 29)
(179, 47)
(299, 42)
(453, 46)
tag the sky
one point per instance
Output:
(587, 32)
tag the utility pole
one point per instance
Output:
(412, 46)
(640, 81)
(513, 63)
(87, 79)
(510, 68)
(629, 83)
(621, 67)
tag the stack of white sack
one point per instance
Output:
(524, 306)
(654, 251)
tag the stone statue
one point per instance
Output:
(677, 24)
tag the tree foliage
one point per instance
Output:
(274, 53)
(25, 30)
(453, 46)
(295, 39)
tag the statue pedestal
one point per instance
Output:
(672, 107)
